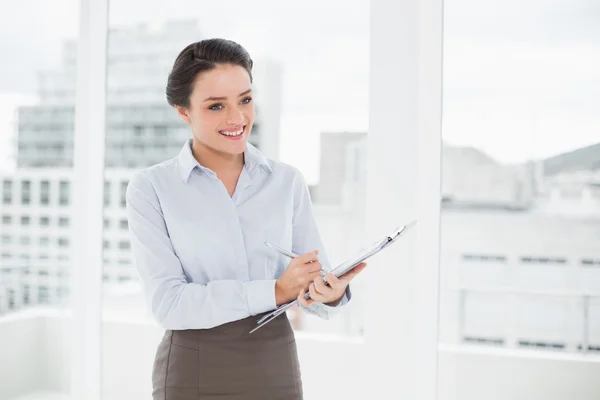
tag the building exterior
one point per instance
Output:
(141, 130)
(470, 177)
(336, 161)
(36, 233)
(519, 264)
(573, 193)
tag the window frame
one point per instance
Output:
(406, 83)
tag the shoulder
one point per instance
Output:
(287, 172)
(148, 179)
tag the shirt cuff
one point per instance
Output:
(260, 296)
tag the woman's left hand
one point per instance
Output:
(332, 294)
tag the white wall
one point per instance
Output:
(20, 366)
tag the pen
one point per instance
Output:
(280, 250)
(287, 253)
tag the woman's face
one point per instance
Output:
(221, 111)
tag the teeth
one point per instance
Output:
(232, 133)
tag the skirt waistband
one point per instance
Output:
(236, 331)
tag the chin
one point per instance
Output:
(235, 148)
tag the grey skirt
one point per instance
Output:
(228, 363)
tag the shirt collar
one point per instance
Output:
(253, 159)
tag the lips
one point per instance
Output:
(233, 132)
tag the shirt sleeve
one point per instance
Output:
(176, 303)
(306, 237)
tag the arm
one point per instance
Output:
(306, 237)
(176, 303)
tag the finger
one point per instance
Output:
(314, 275)
(314, 295)
(347, 277)
(335, 282)
(301, 299)
(313, 267)
(308, 257)
(322, 288)
(304, 302)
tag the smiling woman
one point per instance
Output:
(198, 223)
(210, 86)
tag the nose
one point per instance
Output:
(235, 116)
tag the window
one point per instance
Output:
(160, 131)
(107, 188)
(63, 242)
(43, 295)
(484, 257)
(63, 221)
(543, 260)
(7, 192)
(138, 130)
(64, 193)
(26, 192)
(589, 262)
(517, 207)
(63, 292)
(132, 113)
(36, 112)
(44, 192)
(6, 239)
(123, 193)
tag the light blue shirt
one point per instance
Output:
(200, 253)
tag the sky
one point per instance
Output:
(521, 78)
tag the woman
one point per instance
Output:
(198, 223)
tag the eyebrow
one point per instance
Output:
(225, 98)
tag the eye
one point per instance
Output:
(247, 100)
(216, 107)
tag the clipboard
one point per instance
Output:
(340, 270)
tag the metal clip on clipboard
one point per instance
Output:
(338, 271)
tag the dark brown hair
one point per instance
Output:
(200, 57)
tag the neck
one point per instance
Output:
(217, 161)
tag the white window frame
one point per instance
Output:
(404, 180)
(88, 200)
(404, 183)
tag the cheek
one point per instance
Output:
(206, 122)
(250, 114)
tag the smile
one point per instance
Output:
(233, 133)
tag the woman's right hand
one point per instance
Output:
(297, 276)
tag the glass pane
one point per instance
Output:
(520, 283)
(37, 42)
(310, 94)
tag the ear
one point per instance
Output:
(183, 113)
